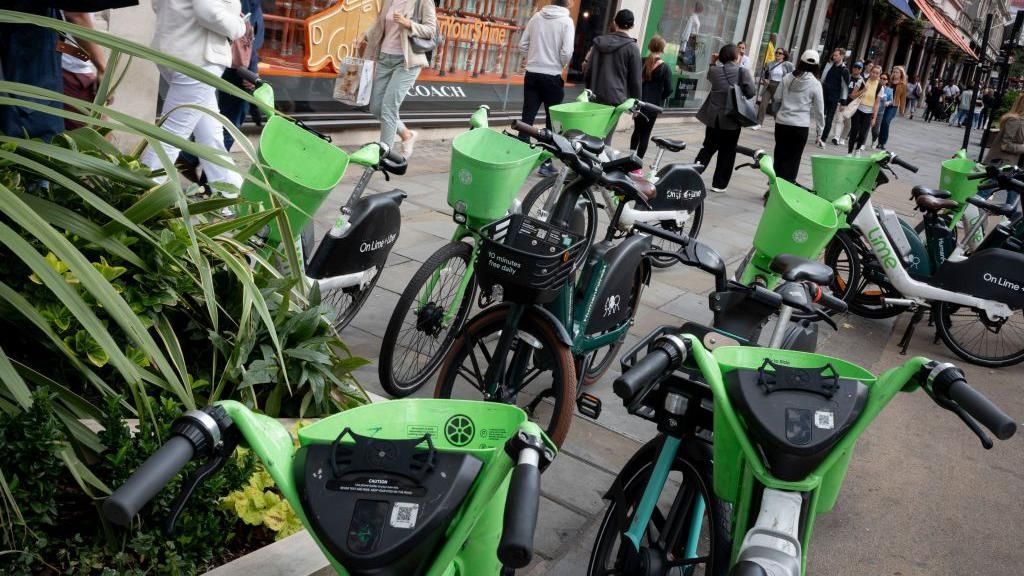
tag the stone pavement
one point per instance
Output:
(922, 497)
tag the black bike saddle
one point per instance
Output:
(925, 191)
(669, 144)
(797, 269)
(591, 144)
(997, 209)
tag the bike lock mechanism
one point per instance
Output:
(208, 433)
(946, 385)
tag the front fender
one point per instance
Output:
(545, 316)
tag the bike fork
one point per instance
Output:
(494, 378)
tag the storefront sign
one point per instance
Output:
(332, 34)
(449, 91)
(471, 30)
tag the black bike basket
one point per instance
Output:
(530, 259)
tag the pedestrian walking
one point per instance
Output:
(914, 94)
(988, 100)
(721, 131)
(81, 72)
(1008, 145)
(770, 78)
(233, 108)
(835, 81)
(744, 59)
(388, 42)
(800, 100)
(546, 46)
(612, 68)
(966, 104)
(200, 33)
(864, 100)
(856, 83)
(657, 85)
(979, 106)
(933, 102)
(898, 82)
(884, 111)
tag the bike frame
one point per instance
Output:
(739, 473)
(471, 538)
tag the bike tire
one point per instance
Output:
(976, 322)
(553, 354)
(860, 300)
(534, 197)
(416, 341)
(694, 478)
(696, 219)
(349, 301)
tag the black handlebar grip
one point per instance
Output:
(982, 409)
(641, 374)
(149, 479)
(648, 107)
(903, 163)
(524, 128)
(747, 151)
(832, 303)
(1015, 184)
(515, 550)
(394, 155)
(978, 176)
(248, 75)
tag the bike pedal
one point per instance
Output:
(589, 405)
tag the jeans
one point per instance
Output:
(959, 116)
(830, 114)
(546, 89)
(911, 106)
(183, 122)
(27, 55)
(391, 84)
(766, 99)
(724, 143)
(789, 148)
(883, 131)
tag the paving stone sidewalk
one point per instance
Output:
(909, 530)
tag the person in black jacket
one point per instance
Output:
(721, 131)
(834, 81)
(656, 87)
(612, 67)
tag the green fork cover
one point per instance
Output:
(368, 155)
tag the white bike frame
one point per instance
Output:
(873, 233)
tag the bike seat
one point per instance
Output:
(668, 144)
(997, 209)
(919, 191)
(933, 204)
(590, 143)
(797, 269)
(393, 162)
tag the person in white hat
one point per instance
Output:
(799, 100)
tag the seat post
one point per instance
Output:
(657, 160)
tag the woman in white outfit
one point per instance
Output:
(199, 32)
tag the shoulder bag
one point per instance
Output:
(424, 45)
(739, 108)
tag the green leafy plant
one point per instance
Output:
(259, 504)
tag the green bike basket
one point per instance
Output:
(838, 175)
(795, 221)
(301, 166)
(488, 169)
(954, 178)
(587, 117)
(454, 425)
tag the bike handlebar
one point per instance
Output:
(904, 164)
(162, 466)
(829, 301)
(248, 75)
(667, 354)
(528, 129)
(755, 154)
(681, 239)
(978, 176)
(648, 107)
(948, 383)
(515, 550)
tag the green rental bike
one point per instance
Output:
(407, 487)
(754, 444)
(487, 171)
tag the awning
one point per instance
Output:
(903, 7)
(944, 27)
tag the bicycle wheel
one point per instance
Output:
(865, 289)
(972, 336)
(546, 389)
(537, 197)
(417, 337)
(348, 301)
(669, 529)
(696, 218)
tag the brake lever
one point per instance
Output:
(750, 165)
(986, 441)
(231, 441)
(822, 315)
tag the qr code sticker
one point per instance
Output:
(824, 420)
(403, 515)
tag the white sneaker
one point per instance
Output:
(755, 127)
(718, 190)
(408, 145)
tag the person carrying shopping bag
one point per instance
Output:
(399, 61)
(722, 131)
(770, 78)
(864, 101)
(800, 100)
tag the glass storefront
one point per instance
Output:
(694, 30)
(478, 62)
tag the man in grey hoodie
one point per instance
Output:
(546, 46)
(613, 69)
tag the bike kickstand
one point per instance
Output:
(909, 334)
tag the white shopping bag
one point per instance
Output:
(355, 81)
